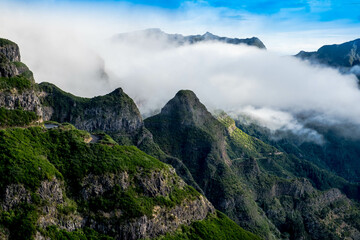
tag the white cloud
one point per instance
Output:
(66, 47)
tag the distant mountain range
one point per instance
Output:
(345, 56)
(158, 34)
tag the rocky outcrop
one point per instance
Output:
(52, 193)
(14, 195)
(162, 221)
(10, 50)
(154, 184)
(115, 113)
(9, 53)
(94, 185)
(157, 183)
(27, 100)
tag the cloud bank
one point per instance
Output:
(79, 55)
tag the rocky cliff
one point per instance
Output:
(114, 113)
(17, 87)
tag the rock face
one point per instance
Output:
(155, 184)
(17, 82)
(27, 100)
(9, 53)
(10, 50)
(158, 183)
(155, 34)
(164, 221)
(115, 113)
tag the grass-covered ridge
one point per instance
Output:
(65, 153)
(4, 42)
(34, 154)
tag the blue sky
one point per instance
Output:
(286, 26)
(321, 10)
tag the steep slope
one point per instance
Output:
(115, 114)
(155, 34)
(338, 153)
(254, 183)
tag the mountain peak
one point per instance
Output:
(184, 99)
(117, 91)
(187, 108)
(209, 35)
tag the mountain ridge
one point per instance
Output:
(158, 34)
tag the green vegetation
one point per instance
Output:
(240, 144)
(54, 233)
(16, 117)
(40, 154)
(4, 42)
(186, 130)
(20, 82)
(214, 227)
(133, 203)
(31, 155)
(21, 221)
(106, 139)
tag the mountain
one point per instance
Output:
(59, 182)
(345, 56)
(263, 189)
(92, 168)
(155, 34)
